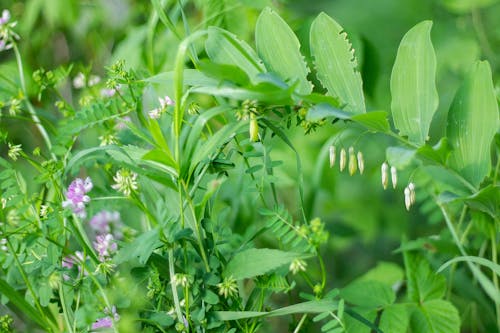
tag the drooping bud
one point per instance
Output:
(394, 177)
(361, 162)
(385, 177)
(253, 129)
(332, 156)
(353, 164)
(343, 159)
(413, 197)
(407, 198)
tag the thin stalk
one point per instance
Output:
(65, 309)
(494, 258)
(301, 322)
(175, 296)
(30, 107)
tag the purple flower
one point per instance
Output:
(106, 222)
(165, 101)
(76, 196)
(69, 261)
(5, 17)
(107, 322)
(105, 246)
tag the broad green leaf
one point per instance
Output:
(373, 120)
(224, 72)
(413, 84)
(385, 272)
(279, 48)
(478, 260)
(305, 307)
(264, 92)
(399, 157)
(254, 262)
(192, 77)
(225, 48)
(336, 64)
(437, 153)
(423, 284)
(487, 200)
(325, 110)
(141, 248)
(436, 316)
(472, 124)
(395, 319)
(369, 294)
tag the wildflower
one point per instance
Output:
(361, 162)
(93, 80)
(385, 176)
(407, 198)
(4, 19)
(70, 261)
(298, 265)
(181, 280)
(14, 151)
(107, 322)
(343, 159)
(394, 177)
(228, 287)
(106, 222)
(4, 45)
(332, 156)
(44, 211)
(122, 123)
(107, 92)
(165, 101)
(353, 164)
(79, 81)
(76, 197)
(107, 139)
(105, 246)
(3, 244)
(126, 181)
(155, 113)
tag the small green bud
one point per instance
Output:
(353, 164)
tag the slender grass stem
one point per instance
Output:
(494, 258)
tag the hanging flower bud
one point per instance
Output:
(394, 177)
(413, 198)
(254, 128)
(332, 156)
(407, 198)
(343, 159)
(361, 162)
(385, 176)
(353, 164)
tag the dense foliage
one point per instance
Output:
(244, 166)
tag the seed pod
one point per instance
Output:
(254, 129)
(407, 198)
(343, 159)
(394, 177)
(332, 156)
(361, 162)
(385, 176)
(353, 164)
(413, 196)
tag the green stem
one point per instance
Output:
(301, 322)
(494, 258)
(64, 308)
(173, 285)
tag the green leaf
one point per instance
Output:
(224, 72)
(423, 283)
(399, 157)
(478, 260)
(254, 262)
(436, 316)
(385, 272)
(336, 64)
(373, 120)
(472, 124)
(413, 84)
(369, 294)
(487, 200)
(325, 110)
(142, 247)
(395, 319)
(438, 153)
(225, 48)
(279, 48)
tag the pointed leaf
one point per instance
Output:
(336, 64)
(423, 283)
(395, 319)
(472, 124)
(279, 48)
(436, 316)
(413, 84)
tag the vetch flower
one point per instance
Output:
(105, 246)
(93, 80)
(394, 177)
(107, 322)
(353, 164)
(106, 222)
(343, 159)
(155, 113)
(166, 101)
(298, 265)
(361, 162)
(385, 177)
(79, 81)
(14, 151)
(4, 19)
(126, 181)
(76, 197)
(228, 287)
(332, 156)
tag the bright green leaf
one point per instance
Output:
(413, 86)
(335, 62)
(279, 48)
(370, 294)
(423, 284)
(472, 124)
(395, 319)
(436, 316)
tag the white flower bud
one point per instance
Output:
(413, 198)
(332, 156)
(343, 159)
(407, 198)
(353, 164)
(394, 177)
(385, 176)
(361, 162)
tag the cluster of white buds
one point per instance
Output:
(356, 161)
(410, 196)
(384, 169)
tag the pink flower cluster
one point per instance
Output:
(107, 322)
(76, 197)
(105, 246)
